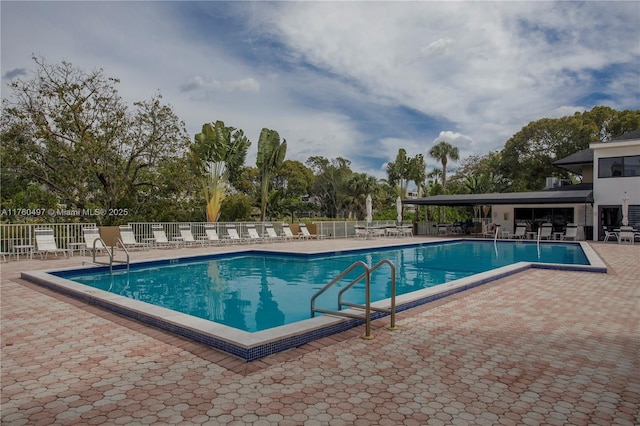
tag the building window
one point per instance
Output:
(619, 166)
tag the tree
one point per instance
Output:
(217, 156)
(444, 151)
(360, 185)
(476, 171)
(398, 172)
(330, 183)
(236, 207)
(418, 174)
(293, 181)
(528, 155)
(78, 138)
(271, 153)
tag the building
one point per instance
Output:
(610, 173)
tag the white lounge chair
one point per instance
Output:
(46, 243)
(128, 238)
(571, 233)
(233, 236)
(253, 236)
(187, 236)
(520, 232)
(286, 232)
(272, 235)
(211, 235)
(160, 238)
(92, 239)
(545, 231)
(305, 234)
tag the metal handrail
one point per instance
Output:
(367, 306)
(110, 252)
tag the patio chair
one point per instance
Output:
(211, 235)
(520, 232)
(571, 233)
(286, 232)
(46, 243)
(92, 240)
(252, 235)
(187, 236)
(305, 234)
(491, 231)
(128, 238)
(392, 231)
(626, 234)
(160, 238)
(361, 232)
(442, 229)
(272, 235)
(406, 230)
(609, 234)
(233, 236)
(545, 232)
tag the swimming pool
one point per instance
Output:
(255, 303)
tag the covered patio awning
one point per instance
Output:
(538, 197)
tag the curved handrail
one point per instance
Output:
(367, 306)
(111, 252)
(370, 270)
(335, 280)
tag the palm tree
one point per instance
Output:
(360, 185)
(435, 174)
(271, 153)
(217, 155)
(443, 151)
(418, 174)
(398, 172)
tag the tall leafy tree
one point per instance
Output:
(271, 153)
(443, 152)
(293, 181)
(418, 174)
(330, 185)
(528, 155)
(217, 154)
(399, 172)
(360, 185)
(80, 140)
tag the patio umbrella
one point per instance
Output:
(369, 209)
(399, 209)
(625, 210)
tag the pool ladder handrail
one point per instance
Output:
(111, 252)
(367, 306)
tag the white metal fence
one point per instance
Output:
(70, 235)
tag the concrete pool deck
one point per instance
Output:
(540, 346)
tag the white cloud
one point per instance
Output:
(438, 47)
(200, 83)
(336, 74)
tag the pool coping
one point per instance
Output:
(253, 346)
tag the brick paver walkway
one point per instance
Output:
(539, 347)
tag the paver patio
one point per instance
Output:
(538, 347)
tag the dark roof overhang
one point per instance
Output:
(575, 162)
(539, 197)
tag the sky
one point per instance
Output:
(357, 80)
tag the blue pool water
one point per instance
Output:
(259, 290)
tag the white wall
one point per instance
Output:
(611, 191)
